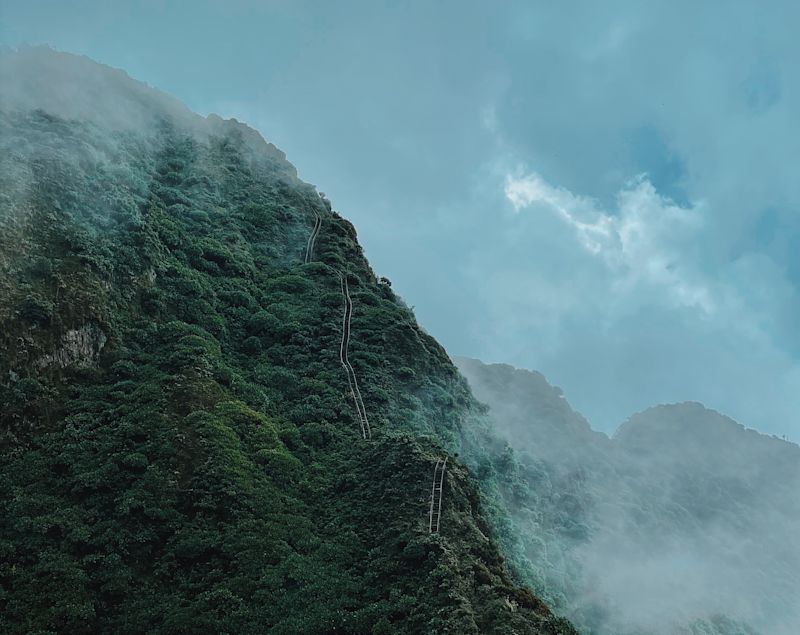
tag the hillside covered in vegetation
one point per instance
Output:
(180, 449)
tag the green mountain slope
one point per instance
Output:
(683, 522)
(180, 451)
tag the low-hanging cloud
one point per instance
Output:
(684, 514)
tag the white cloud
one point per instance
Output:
(595, 233)
(641, 242)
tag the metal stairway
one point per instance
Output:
(312, 239)
(436, 495)
(348, 368)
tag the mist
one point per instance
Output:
(77, 89)
(156, 266)
(684, 515)
(105, 121)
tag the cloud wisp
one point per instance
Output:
(639, 242)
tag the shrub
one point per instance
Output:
(36, 310)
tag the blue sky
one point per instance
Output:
(606, 192)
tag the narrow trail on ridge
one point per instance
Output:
(435, 512)
(352, 382)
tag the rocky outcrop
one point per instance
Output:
(78, 347)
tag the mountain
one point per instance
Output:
(534, 413)
(682, 522)
(215, 417)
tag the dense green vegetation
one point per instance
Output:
(178, 449)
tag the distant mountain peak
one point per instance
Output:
(682, 517)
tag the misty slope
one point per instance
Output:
(179, 450)
(688, 520)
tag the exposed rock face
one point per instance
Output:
(78, 346)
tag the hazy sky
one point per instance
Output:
(606, 192)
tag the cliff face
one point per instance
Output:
(182, 448)
(682, 522)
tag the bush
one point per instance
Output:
(36, 310)
(252, 346)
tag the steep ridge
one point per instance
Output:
(177, 449)
(682, 522)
